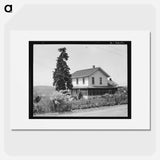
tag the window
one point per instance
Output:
(83, 80)
(92, 80)
(100, 80)
(77, 80)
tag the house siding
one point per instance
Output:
(97, 76)
(80, 82)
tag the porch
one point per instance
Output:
(93, 91)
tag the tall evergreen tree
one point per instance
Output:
(61, 75)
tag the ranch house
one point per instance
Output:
(91, 82)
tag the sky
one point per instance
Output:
(111, 58)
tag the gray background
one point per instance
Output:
(79, 17)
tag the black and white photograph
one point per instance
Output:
(80, 79)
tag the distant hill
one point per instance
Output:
(44, 90)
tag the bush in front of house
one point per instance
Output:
(91, 103)
(45, 105)
(57, 102)
(63, 107)
(120, 97)
(61, 102)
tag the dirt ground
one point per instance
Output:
(112, 111)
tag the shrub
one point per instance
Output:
(63, 107)
(120, 97)
(59, 102)
(80, 95)
(45, 105)
(36, 97)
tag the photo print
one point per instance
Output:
(80, 79)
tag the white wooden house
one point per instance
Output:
(92, 81)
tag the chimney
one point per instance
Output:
(93, 66)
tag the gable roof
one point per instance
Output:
(88, 72)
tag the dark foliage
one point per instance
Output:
(61, 75)
(80, 95)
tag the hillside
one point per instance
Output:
(43, 90)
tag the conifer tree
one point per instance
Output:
(61, 75)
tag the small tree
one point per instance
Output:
(61, 75)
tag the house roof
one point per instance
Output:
(88, 72)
